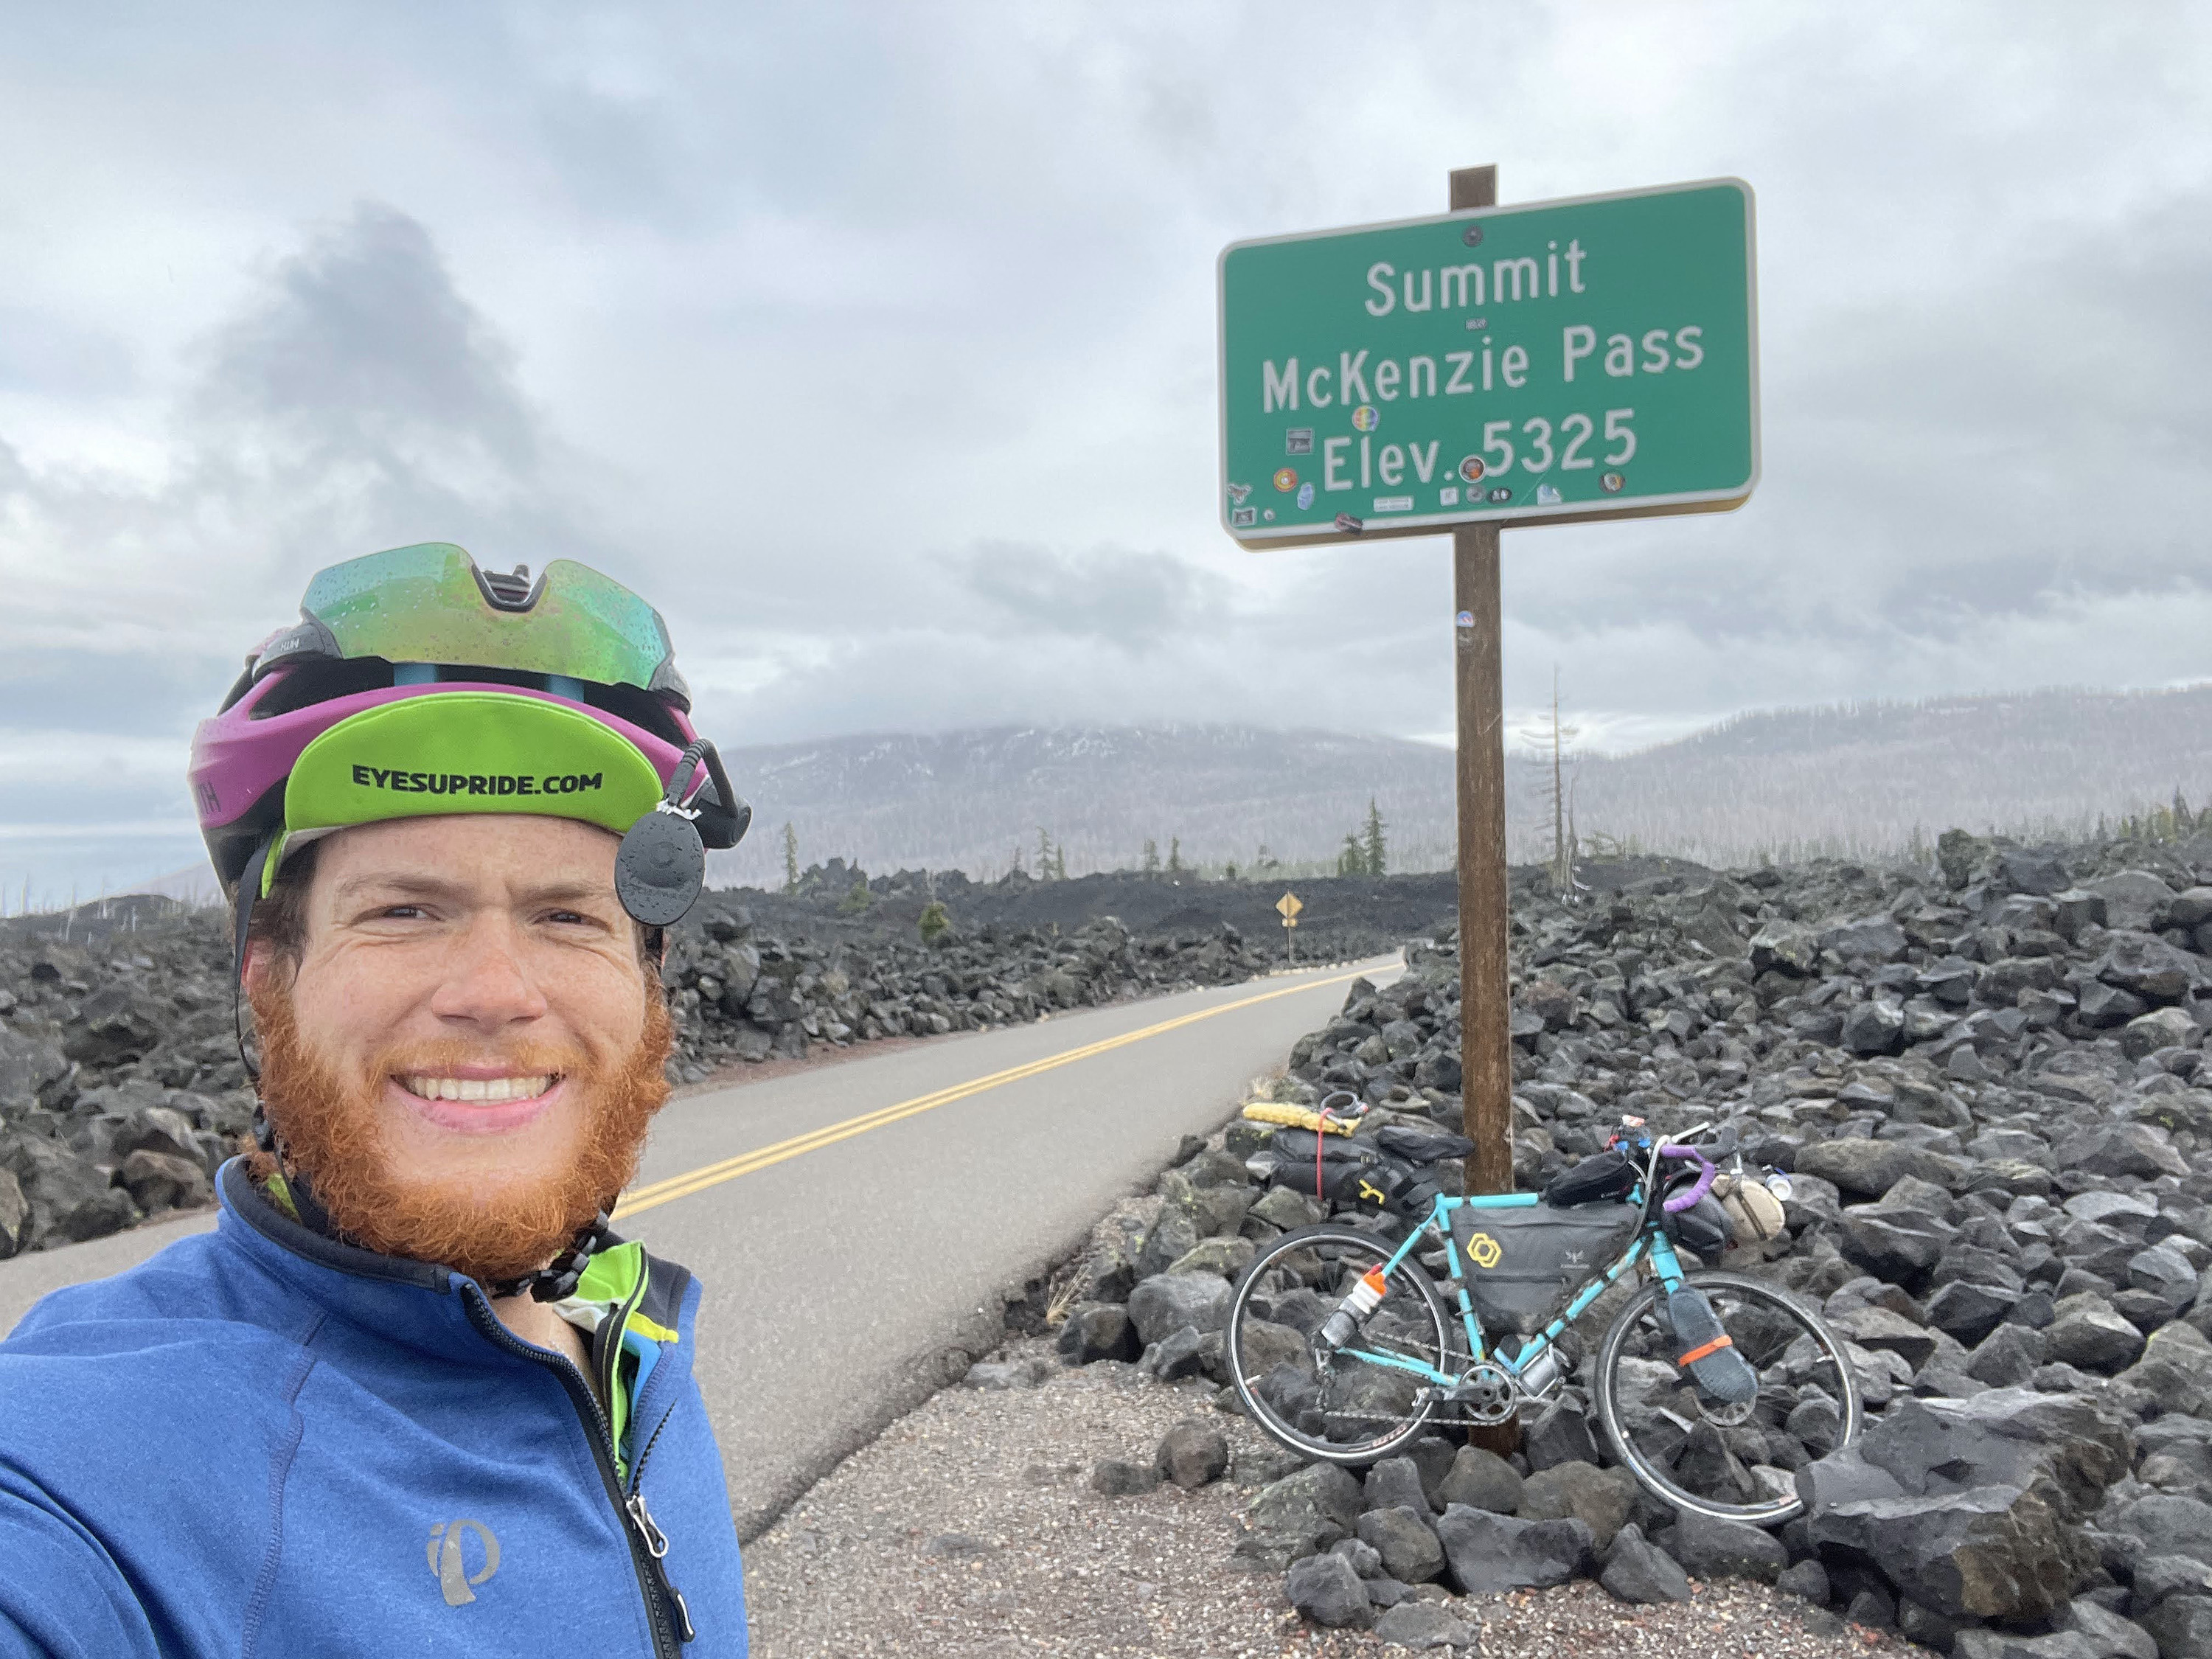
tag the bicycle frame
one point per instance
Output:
(1649, 1241)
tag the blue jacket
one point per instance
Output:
(262, 1442)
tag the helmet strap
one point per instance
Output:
(241, 921)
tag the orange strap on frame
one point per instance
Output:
(1724, 1341)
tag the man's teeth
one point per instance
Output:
(490, 1090)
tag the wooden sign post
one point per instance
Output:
(1484, 1006)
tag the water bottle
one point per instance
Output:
(1344, 1324)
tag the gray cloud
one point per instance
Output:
(756, 309)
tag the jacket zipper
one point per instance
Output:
(669, 1619)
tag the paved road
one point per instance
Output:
(857, 1227)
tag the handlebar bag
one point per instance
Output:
(1703, 1228)
(1606, 1178)
(1521, 1263)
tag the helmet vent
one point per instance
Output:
(509, 592)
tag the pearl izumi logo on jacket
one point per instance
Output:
(475, 783)
(450, 1558)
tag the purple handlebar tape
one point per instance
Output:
(1682, 1202)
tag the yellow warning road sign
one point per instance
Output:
(1289, 905)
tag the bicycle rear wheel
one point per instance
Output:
(1695, 1452)
(1323, 1403)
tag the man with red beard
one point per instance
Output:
(412, 1394)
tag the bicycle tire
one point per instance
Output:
(1643, 1462)
(1285, 1428)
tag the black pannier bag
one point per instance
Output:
(1521, 1262)
(1608, 1178)
(1422, 1145)
(1351, 1171)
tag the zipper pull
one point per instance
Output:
(656, 1541)
(656, 1546)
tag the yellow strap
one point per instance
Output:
(1296, 1117)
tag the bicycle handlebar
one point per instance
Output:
(1706, 1174)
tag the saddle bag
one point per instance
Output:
(1706, 1350)
(1608, 1178)
(1521, 1262)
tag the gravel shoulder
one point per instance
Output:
(969, 1528)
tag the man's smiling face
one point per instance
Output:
(469, 1048)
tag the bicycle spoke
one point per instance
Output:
(1696, 1450)
(1320, 1400)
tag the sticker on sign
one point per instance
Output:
(1589, 358)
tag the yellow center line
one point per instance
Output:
(638, 1199)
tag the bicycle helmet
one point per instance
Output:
(416, 685)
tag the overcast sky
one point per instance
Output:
(874, 343)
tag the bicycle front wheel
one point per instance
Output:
(1323, 1401)
(1692, 1451)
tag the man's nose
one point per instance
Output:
(487, 983)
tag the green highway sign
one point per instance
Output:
(1595, 357)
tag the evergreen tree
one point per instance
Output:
(936, 921)
(1044, 854)
(1373, 848)
(1060, 862)
(1174, 855)
(1352, 860)
(1151, 865)
(790, 860)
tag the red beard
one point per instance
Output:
(329, 1126)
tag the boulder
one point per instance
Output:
(69, 1199)
(1711, 1548)
(1987, 1552)
(1601, 1498)
(1300, 1513)
(30, 1066)
(2147, 966)
(1098, 1330)
(2093, 1337)
(1489, 1553)
(2172, 1523)
(116, 1023)
(1326, 1590)
(1165, 1303)
(1480, 1480)
(1192, 1453)
(1875, 1026)
(1113, 1478)
(1869, 1169)
(1422, 1625)
(2065, 1448)
(1401, 1535)
(2121, 1149)
(1637, 1570)
(2181, 1625)
(1395, 1481)
(2135, 900)
(160, 1180)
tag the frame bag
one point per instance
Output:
(1522, 1261)
(1608, 1178)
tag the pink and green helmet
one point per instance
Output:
(415, 684)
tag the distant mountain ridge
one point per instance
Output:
(1856, 779)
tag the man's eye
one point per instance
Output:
(401, 912)
(570, 916)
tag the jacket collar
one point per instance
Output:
(413, 1303)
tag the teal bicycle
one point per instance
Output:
(1710, 1387)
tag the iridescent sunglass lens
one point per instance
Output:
(421, 603)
